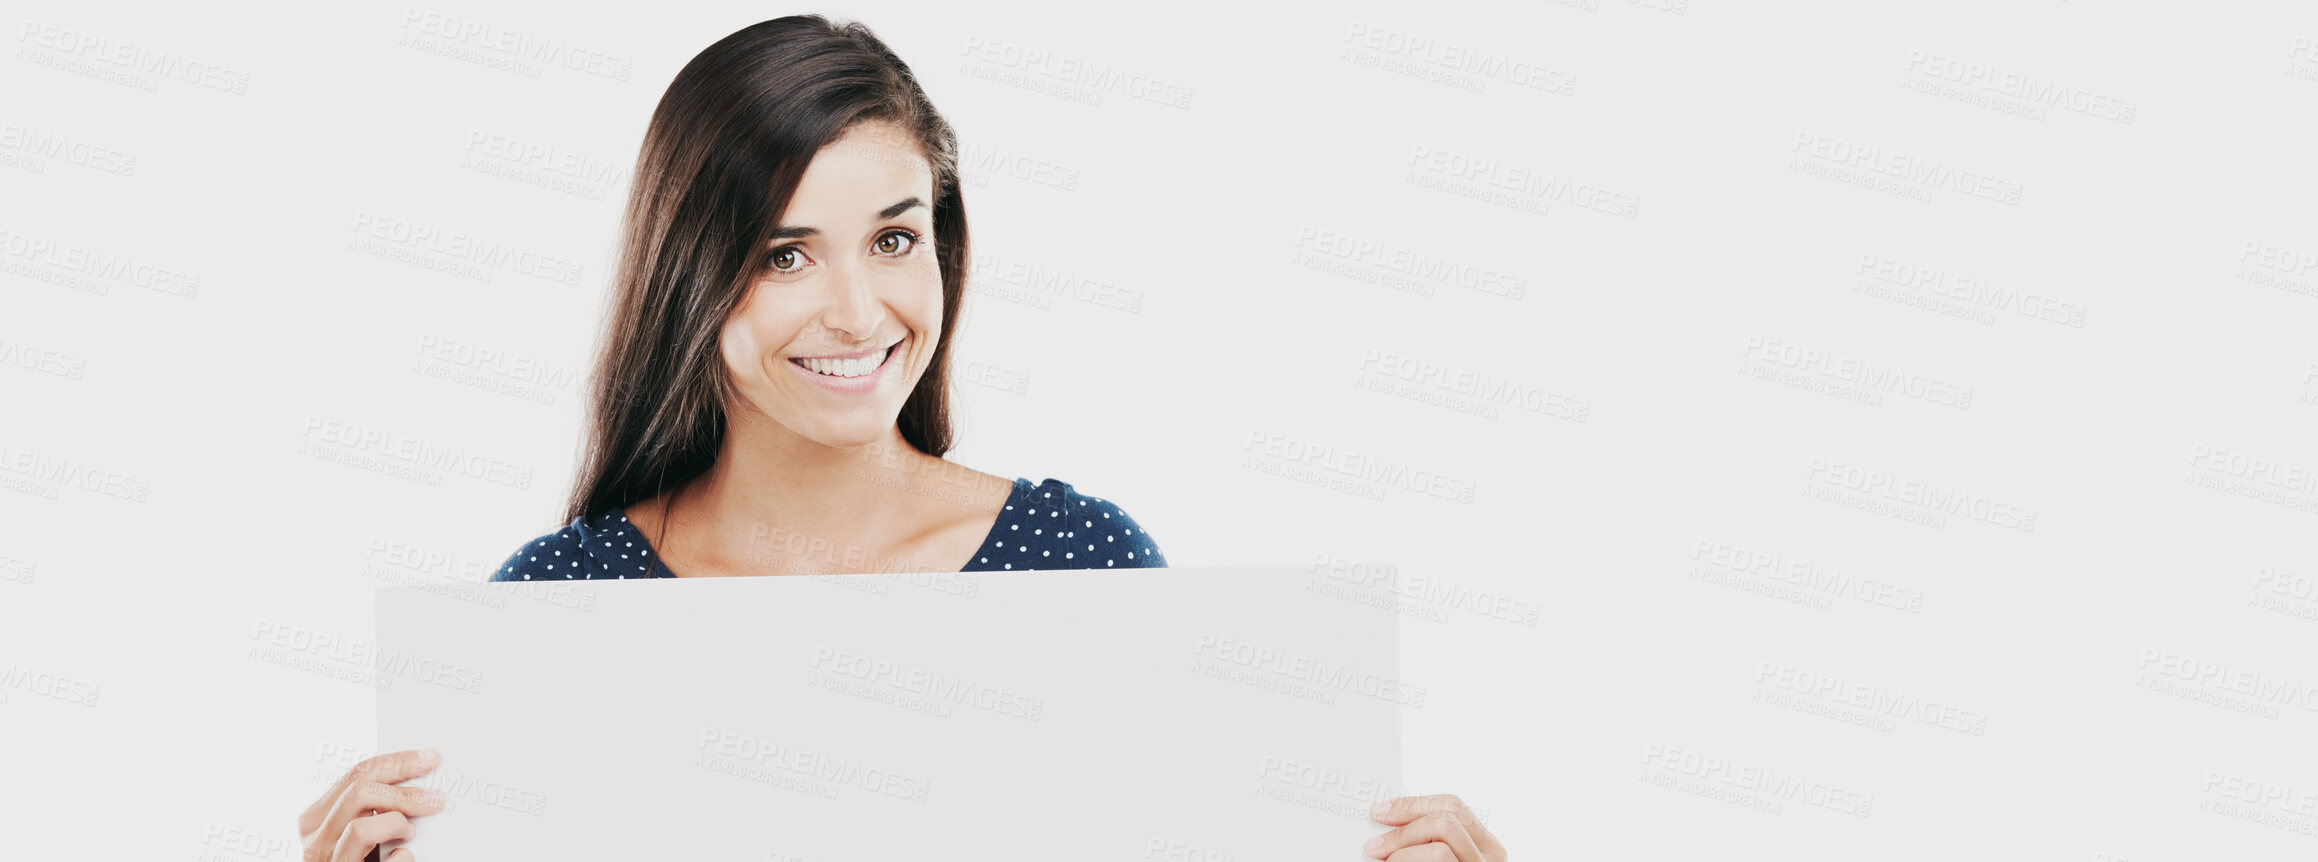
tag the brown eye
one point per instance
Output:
(895, 243)
(785, 260)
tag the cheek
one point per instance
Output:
(917, 294)
(743, 345)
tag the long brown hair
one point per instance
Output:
(721, 158)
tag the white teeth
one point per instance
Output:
(846, 367)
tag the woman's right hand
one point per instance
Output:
(366, 807)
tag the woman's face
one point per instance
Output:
(849, 273)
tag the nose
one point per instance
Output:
(853, 307)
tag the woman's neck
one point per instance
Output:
(773, 494)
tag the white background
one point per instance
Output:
(1814, 229)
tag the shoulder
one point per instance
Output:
(606, 547)
(1054, 525)
(549, 555)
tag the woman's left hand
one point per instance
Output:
(1432, 829)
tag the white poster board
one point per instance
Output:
(1185, 714)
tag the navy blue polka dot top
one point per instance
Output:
(1048, 525)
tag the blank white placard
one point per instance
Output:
(1247, 713)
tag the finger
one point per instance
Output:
(1423, 853)
(1490, 848)
(370, 797)
(1401, 810)
(365, 833)
(1429, 829)
(401, 854)
(393, 767)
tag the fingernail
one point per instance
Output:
(431, 796)
(1375, 844)
(428, 755)
(1379, 808)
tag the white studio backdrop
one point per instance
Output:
(1839, 428)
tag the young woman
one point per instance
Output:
(773, 394)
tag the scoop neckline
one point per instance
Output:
(1022, 488)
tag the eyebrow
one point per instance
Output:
(883, 214)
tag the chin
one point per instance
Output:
(850, 435)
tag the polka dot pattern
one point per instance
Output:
(1049, 525)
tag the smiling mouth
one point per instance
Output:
(847, 368)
